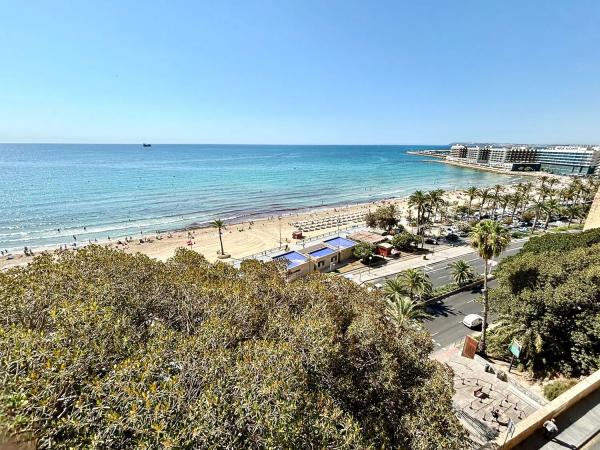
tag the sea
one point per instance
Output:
(54, 194)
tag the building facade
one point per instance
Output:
(564, 160)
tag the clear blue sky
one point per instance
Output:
(300, 71)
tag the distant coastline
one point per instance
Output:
(443, 160)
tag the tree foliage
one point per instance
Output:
(405, 240)
(384, 217)
(550, 302)
(102, 349)
(562, 242)
(461, 272)
(363, 250)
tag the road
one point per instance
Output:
(446, 327)
(440, 273)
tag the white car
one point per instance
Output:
(472, 320)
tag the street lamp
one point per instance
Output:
(370, 258)
(279, 218)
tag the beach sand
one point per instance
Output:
(248, 238)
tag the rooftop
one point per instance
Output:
(322, 252)
(294, 259)
(366, 236)
(340, 242)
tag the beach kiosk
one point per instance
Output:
(343, 246)
(297, 264)
(384, 249)
(322, 257)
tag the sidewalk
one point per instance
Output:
(476, 411)
(392, 267)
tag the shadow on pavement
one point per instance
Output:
(440, 309)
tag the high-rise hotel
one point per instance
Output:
(559, 159)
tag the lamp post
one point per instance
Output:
(279, 218)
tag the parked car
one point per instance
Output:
(472, 320)
(452, 237)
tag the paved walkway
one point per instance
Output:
(475, 412)
(575, 427)
(393, 267)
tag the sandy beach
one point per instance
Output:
(251, 237)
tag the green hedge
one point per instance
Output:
(562, 242)
(555, 388)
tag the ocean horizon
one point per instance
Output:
(96, 191)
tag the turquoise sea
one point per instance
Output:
(120, 190)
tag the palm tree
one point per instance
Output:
(418, 199)
(219, 225)
(472, 192)
(490, 239)
(571, 210)
(515, 201)
(577, 187)
(538, 207)
(402, 310)
(525, 191)
(504, 201)
(461, 272)
(484, 194)
(543, 192)
(497, 190)
(552, 182)
(416, 283)
(394, 289)
(550, 207)
(436, 199)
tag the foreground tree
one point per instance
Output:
(548, 299)
(490, 239)
(102, 349)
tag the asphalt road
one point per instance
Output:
(446, 326)
(439, 273)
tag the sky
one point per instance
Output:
(300, 72)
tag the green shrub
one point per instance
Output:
(550, 303)
(555, 388)
(102, 349)
(404, 240)
(363, 250)
(464, 227)
(562, 242)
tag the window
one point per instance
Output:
(321, 264)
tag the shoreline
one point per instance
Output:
(245, 236)
(443, 160)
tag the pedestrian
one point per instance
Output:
(550, 428)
